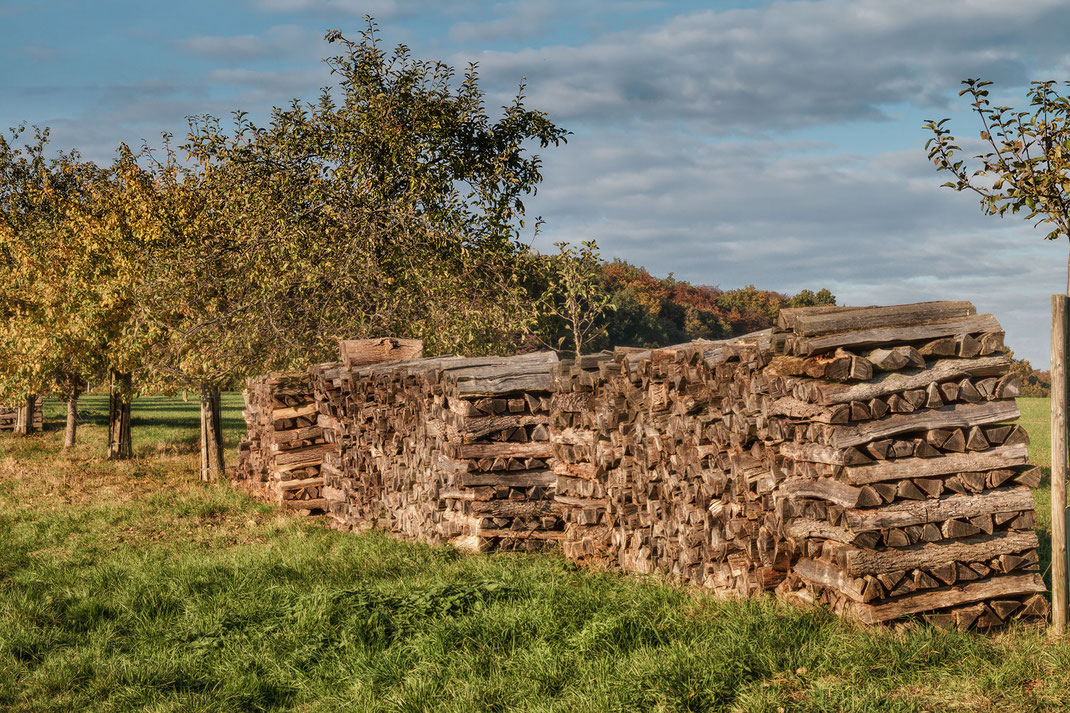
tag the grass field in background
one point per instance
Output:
(134, 587)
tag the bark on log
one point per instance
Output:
(808, 324)
(892, 335)
(895, 382)
(956, 416)
(1001, 457)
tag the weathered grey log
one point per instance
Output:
(356, 353)
(298, 434)
(504, 384)
(996, 588)
(806, 528)
(794, 408)
(501, 450)
(857, 562)
(516, 480)
(954, 416)
(817, 453)
(479, 368)
(294, 412)
(478, 427)
(893, 335)
(809, 324)
(823, 488)
(940, 509)
(1001, 457)
(287, 485)
(894, 382)
(828, 575)
(787, 316)
(311, 454)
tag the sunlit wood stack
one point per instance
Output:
(581, 413)
(441, 449)
(689, 495)
(347, 402)
(488, 429)
(866, 458)
(10, 416)
(282, 452)
(862, 457)
(903, 483)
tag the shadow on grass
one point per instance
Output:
(1044, 554)
(172, 446)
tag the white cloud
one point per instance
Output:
(874, 229)
(41, 52)
(379, 9)
(787, 64)
(276, 42)
(297, 82)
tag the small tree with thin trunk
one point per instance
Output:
(574, 300)
(1024, 166)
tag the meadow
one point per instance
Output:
(134, 587)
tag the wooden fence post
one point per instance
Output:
(1059, 333)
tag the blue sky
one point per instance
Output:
(730, 143)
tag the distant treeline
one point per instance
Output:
(1034, 381)
(648, 311)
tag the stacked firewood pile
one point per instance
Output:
(11, 417)
(669, 449)
(440, 449)
(282, 452)
(489, 435)
(905, 487)
(444, 449)
(866, 458)
(365, 407)
(582, 412)
(345, 393)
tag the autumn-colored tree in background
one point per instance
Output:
(650, 311)
(57, 309)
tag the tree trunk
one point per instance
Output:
(120, 443)
(24, 417)
(70, 435)
(211, 434)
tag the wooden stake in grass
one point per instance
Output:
(1059, 332)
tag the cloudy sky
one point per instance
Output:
(729, 143)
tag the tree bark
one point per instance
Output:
(212, 466)
(70, 434)
(120, 442)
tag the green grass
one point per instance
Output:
(133, 587)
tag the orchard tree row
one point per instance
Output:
(391, 205)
